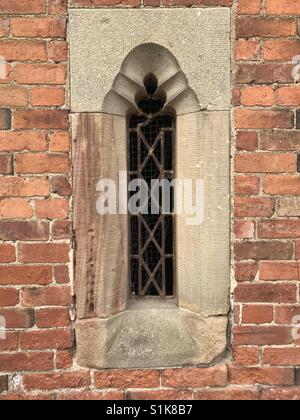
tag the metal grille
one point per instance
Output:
(151, 155)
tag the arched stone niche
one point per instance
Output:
(112, 330)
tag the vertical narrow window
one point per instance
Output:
(151, 157)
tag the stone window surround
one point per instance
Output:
(120, 332)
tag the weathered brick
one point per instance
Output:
(257, 314)
(160, 395)
(10, 343)
(286, 314)
(61, 185)
(19, 275)
(195, 377)
(262, 73)
(13, 96)
(273, 271)
(127, 379)
(61, 229)
(22, 6)
(39, 163)
(263, 119)
(91, 395)
(52, 209)
(23, 230)
(46, 339)
(8, 297)
(262, 376)
(260, 26)
(59, 142)
(52, 96)
(281, 356)
(46, 27)
(23, 50)
(254, 207)
(7, 253)
(20, 187)
(17, 208)
(15, 362)
(6, 165)
(289, 206)
(281, 394)
(54, 318)
(46, 74)
(3, 383)
(44, 253)
(61, 274)
(246, 271)
(278, 229)
(264, 250)
(246, 185)
(282, 7)
(247, 140)
(266, 293)
(248, 8)
(280, 140)
(265, 162)
(18, 318)
(246, 356)
(284, 49)
(49, 296)
(58, 51)
(228, 394)
(244, 229)
(11, 141)
(4, 27)
(5, 119)
(57, 380)
(41, 119)
(247, 50)
(261, 336)
(257, 96)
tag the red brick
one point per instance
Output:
(52, 318)
(280, 140)
(282, 7)
(282, 356)
(58, 51)
(23, 50)
(27, 231)
(51, 381)
(61, 274)
(44, 253)
(264, 292)
(283, 50)
(41, 119)
(61, 186)
(286, 314)
(260, 26)
(61, 229)
(61, 339)
(246, 356)
(64, 358)
(247, 50)
(47, 96)
(261, 336)
(59, 142)
(278, 229)
(18, 275)
(245, 271)
(57, 7)
(228, 394)
(288, 96)
(11, 141)
(265, 162)
(254, 207)
(246, 185)
(195, 377)
(262, 119)
(27, 397)
(91, 396)
(10, 343)
(52, 209)
(273, 271)
(48, 27)
(23, 6)
(282, 184)
(248, 7)
(18, 318)
(160, 395)
(262, 376)
(257, 314)
(6, 164)
(49, 296)
(264, 73)
(244, 229)
(273, 250)
(7, 254)
(46, 74)
(15, 362)
(5, 118)
(8, 297)
(13, 96)
(127, 379)
(15, 208)
(281, 394)
(247, 140)
(258, 96)
(39, 163)
(4, 27)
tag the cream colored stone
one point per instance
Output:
(203, 268)
(150, 335)
(101, 39)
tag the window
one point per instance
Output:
(151, 159)
(156, 104)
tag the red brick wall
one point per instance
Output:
(36, 360)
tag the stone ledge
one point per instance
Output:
(150, 334)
